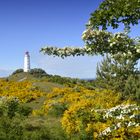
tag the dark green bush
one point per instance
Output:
(57, 110)
(24, 110)
(11, 128)
(37, 72)
(12, 107)
(12, 122)
(17, 71)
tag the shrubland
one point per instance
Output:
(67, 112)
(93, 114)
(107, 108)
(24, 91)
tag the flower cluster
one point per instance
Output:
(98, 42)
(121, 116)
(77, 104)
(63, 52)
(97, 112)
(123, 109)
(69, 96)
(24, 91)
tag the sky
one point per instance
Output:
(28, 25)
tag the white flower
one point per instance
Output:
(129, 53)
(131, 124)
(118, 125)
(108, 129)
(111, 44)
(118, 35)
(88, 49)
(84, 32)
(132, 116)
(137, 125)
(114, 43)
(84, 36)
(120, 117)
(138, 50)
(124, 54)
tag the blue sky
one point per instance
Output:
(27, 25)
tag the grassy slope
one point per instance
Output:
(52, 122)
(43, 85)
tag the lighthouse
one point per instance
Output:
(26, 62)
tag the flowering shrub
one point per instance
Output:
(117, 122)
(123, 118)
(77, 104)
(24, 90)
(99, 114)
(100, 42)
(68, 96)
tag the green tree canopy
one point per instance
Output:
(38, 72)
(114, 12)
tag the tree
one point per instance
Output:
(113, 73)
(118, 69)
(114, 12)
(109, 13)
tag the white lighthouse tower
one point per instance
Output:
(27, 62)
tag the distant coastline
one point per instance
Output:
(87, 79)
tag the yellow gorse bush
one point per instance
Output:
(69, 96)
(25, 91)
(78, 100)
(84, 110)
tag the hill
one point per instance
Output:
(47, 107)
(46, 84)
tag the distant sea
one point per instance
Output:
(88, 79)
